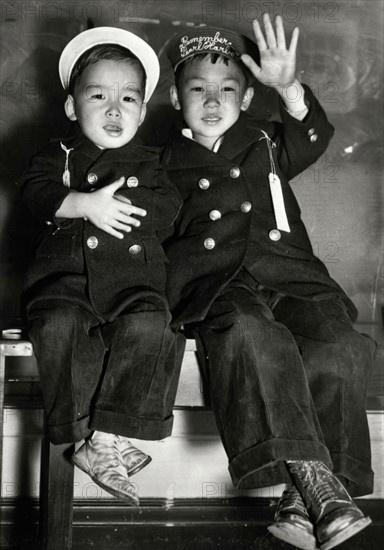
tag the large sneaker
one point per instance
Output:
(100, 458)
(291, 522)
(133, 459)
(333, 512)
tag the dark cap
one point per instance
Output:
(203, 40)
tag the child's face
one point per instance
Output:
(108, 102)
(211, 96)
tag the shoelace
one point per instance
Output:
(324, 491)
(319, 484)
(291, 498)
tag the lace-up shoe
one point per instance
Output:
(333, 512)
(291, 522)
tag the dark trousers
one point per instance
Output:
(287, 383)
(118, 377)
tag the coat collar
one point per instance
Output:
(245, 132)
(183, 152)
(133, 151)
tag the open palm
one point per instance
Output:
(277, 62)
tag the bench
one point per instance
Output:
(57, 473)
(56, 470)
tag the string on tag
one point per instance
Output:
(270, 145)
(66, 174)
(276, 190)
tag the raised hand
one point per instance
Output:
(277, 63)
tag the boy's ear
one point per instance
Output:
(69, 107)
(174, 98)
(143, 112)
(247, 98)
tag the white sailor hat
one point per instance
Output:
(110, 35)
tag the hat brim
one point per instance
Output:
(110, 35)
(209, 40)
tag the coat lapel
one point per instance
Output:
(133, 151)
(80, 144)
(182, 152)
(246, 132)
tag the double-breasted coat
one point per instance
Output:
(227, 219)
(119, 285)
(277, 351)
(76, 261)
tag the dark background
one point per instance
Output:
(340, 57)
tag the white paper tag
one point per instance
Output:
(278, 203)
(66, 178)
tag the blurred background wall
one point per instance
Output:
(340, 57)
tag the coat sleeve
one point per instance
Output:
(41, 185)
(301, 143)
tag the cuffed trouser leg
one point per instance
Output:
(69, 351)
(118, 377)
(259, 390)
(138, 389)
(338, 362)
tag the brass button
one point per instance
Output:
(215, 215)
(311, 131)
(134, 249)
(204, 183)
(92, 242)
(92, 178)
(275, 235)
(132, 181)
(313, 138)
(209, 243)
(246, 207)
(234, 172)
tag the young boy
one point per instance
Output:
(94, 293)
(287, 372)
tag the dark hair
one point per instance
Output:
(113, 52)
(214, 57)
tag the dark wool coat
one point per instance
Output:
(238, 189)
(76, 261)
